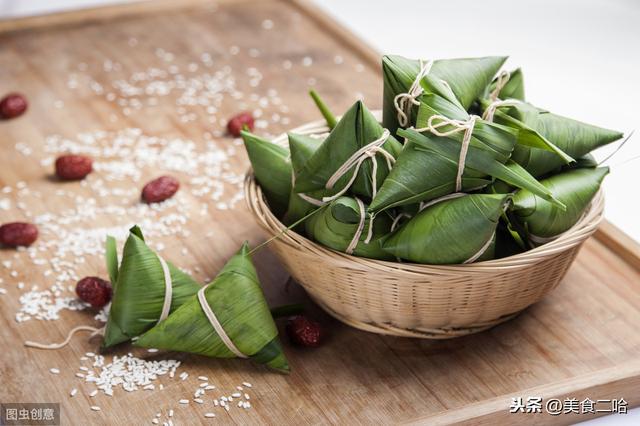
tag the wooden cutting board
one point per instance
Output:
(581, 342)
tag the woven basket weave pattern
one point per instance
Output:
(427, 301)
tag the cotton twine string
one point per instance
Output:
(405, 101)
(166, 307)
(368, 151)
(436, 122)
(168, 290)
(358, 233)
(216, 324)
(503, 79)
(452, 196)
(493, 106)
(397, 220)
(94, 332)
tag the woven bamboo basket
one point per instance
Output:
(423, 301)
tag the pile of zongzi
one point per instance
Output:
(461, 169)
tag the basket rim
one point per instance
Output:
(256, 202)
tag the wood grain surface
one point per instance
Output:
(581, 341)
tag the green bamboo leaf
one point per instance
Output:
(357, 128)
(467, 77)
(324, 109)
(450, 231)
(336, 226)
(272, 169)
(498, 139)
(422, 175)
(572, 137)
(514, 89)
(237, 301)
(481, 161)
(529, 138)
(574, 188)
(302, 148)
(112, 260)
(140, 291)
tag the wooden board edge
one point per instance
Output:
(611, 383)
(98, 13)
(369, 55)
(619, 242)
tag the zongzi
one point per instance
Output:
(454, 230)
(345, 225)
(227, 318)
(355, 157)
(147, 290)
(272, 167)
(574, 188)
(467, 77)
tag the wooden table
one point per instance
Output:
(581, 341)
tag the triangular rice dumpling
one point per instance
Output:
(427, 167)
(575, 188)
(238, 306)
(140, 291)
(453, 231)
(356, 130)
(438, 100)
(467, 77)
(337, 224)
(302, 148)
(421, 175)
(571, 136)
(272, 168)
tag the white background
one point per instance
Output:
(581, 58)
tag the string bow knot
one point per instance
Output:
(405, 101)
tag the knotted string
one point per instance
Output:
(94, 332)
(503, 79)
(368, 151)
(457, 126)
(213, 320)
(493, 106)
(405, 101)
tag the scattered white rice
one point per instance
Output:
(95, 408)
(54, 371)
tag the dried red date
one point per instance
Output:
(160, 189)
(73, 167)
(18, 234)
(13, 105)
(238, 123)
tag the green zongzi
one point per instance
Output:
(453, 230)
(227, 318)
(272, 167)
(147, 290)
(344, 225)
(467, 78)
(574, 188)
(355, 157)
